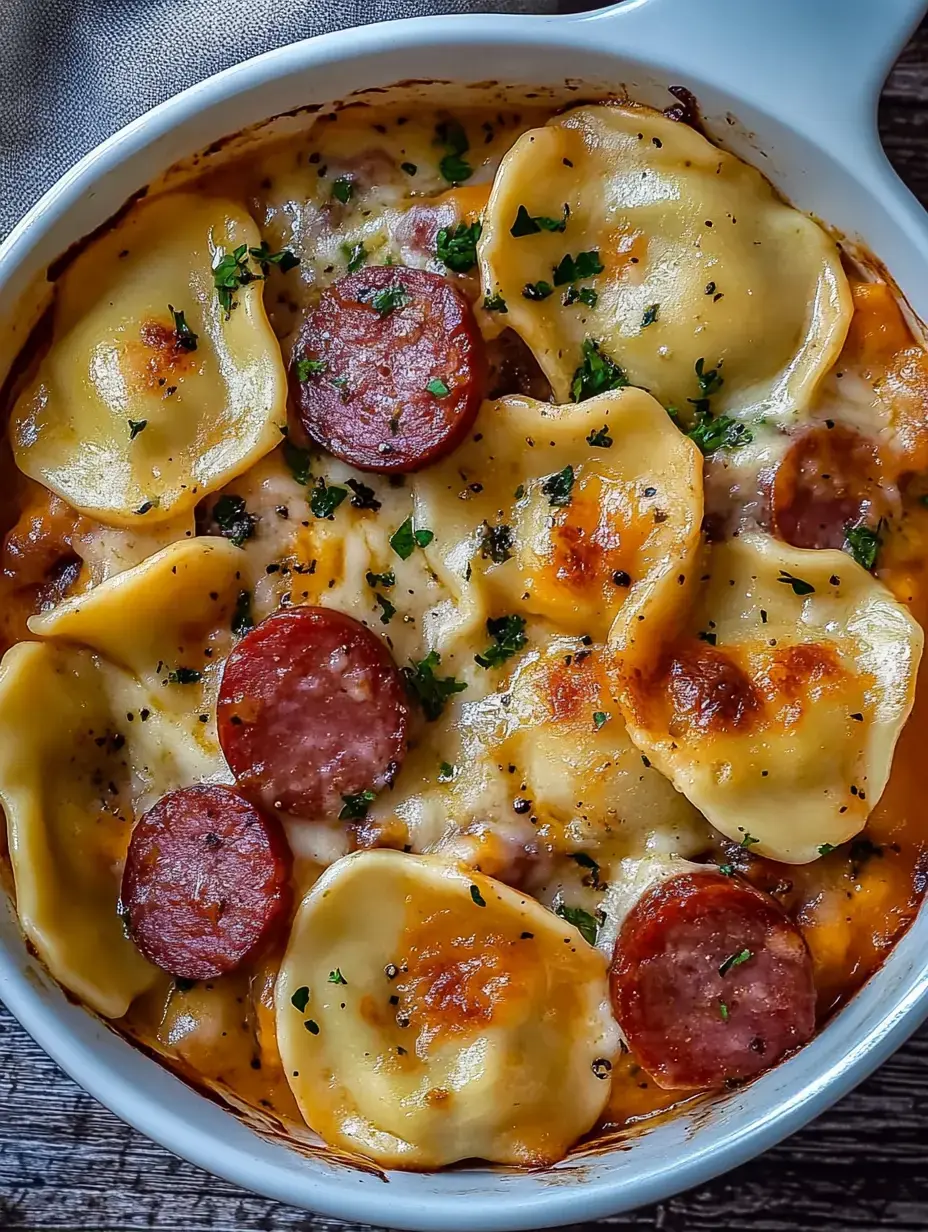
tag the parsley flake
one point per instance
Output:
(456, 246)
(355, 255)
(184, 336)
(285, 260)
(381, 579)
(575, 269)
(343, 189)
(600, 438)
(389, 299)
(600, 717)
(336, 977)
(363, 497)
(233, 519)
(298, 461)
(409, 168)
(446, 772)
(388, 611)
(300, 999)
(537, 290)
(356, 806)
(477, 896)
(311, 1027)
(748, 841)
(438, 387)
(592, 878)
(580, 295)
(508, 633)
(136, 426)
(596, 374)
(710, 433)
(735, 960)
(242, 619)
(650, 315)
(497, 543)
(799, 586)
(451, 135)
(430, 691)
(230, 273)
(405, 540)
(826, 849)
(305, 368)
(864, 543)
(325, 499)
(581, 920)
(184, 675)
(525, 224)
(494, 303)
(558, 487)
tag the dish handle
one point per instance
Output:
(811, 63)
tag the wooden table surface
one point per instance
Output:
(67, 1163)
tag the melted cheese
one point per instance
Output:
(686, 234)
(492, 1045)
(115, 360)
(777, 712)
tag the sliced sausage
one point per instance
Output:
(206, 882)
(311, 709)
(394, 369)
(710, 982)
(827, 482)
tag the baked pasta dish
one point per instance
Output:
(462, 592)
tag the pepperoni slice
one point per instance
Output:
(828, 481)
(206, 882)
(311, 709)
(394, 368)
(710, 981)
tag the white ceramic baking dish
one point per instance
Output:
(792, 86)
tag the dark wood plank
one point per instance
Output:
(67, 1163)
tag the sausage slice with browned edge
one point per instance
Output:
(312, 709)
(388, 371)
(710, 982)
(206, 881)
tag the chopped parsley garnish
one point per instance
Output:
(587, 862)
(508, 633)
(727, 870)
(581, 920)
(356, 806)
(650, 315)
(305, 368)
(456, 246)
(381, 579)
(600, 717)
(389, 299)
(184, 675)
(451, 135)
(146, 506)
(558, 487)
(600, 438)
(311, 1027)
(735, 960)
(864, 543)
(405, 540)
(343, 189)
(575, 269)
(722, 432)
(580, 295)
(355, 255)
(596, 374)
(438, 387)
(748, 841)
(526, 224)
(363, 497)
(723, 1011)
(300, 999)
(233, 519)
(336, 977)
(709, 382)
(136, 426)
(799, 586)
(430, 691)
(325, 500)
(494, 303)
(230, 273)
(242, 619)
(298, 461)
(537, 290)
(409, 168)
(826, 849)
(446, 772)
(285, 260)
(497, 543)
(184, 336)
(388, 611)
(478, 898)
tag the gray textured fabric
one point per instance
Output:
(74, 71)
